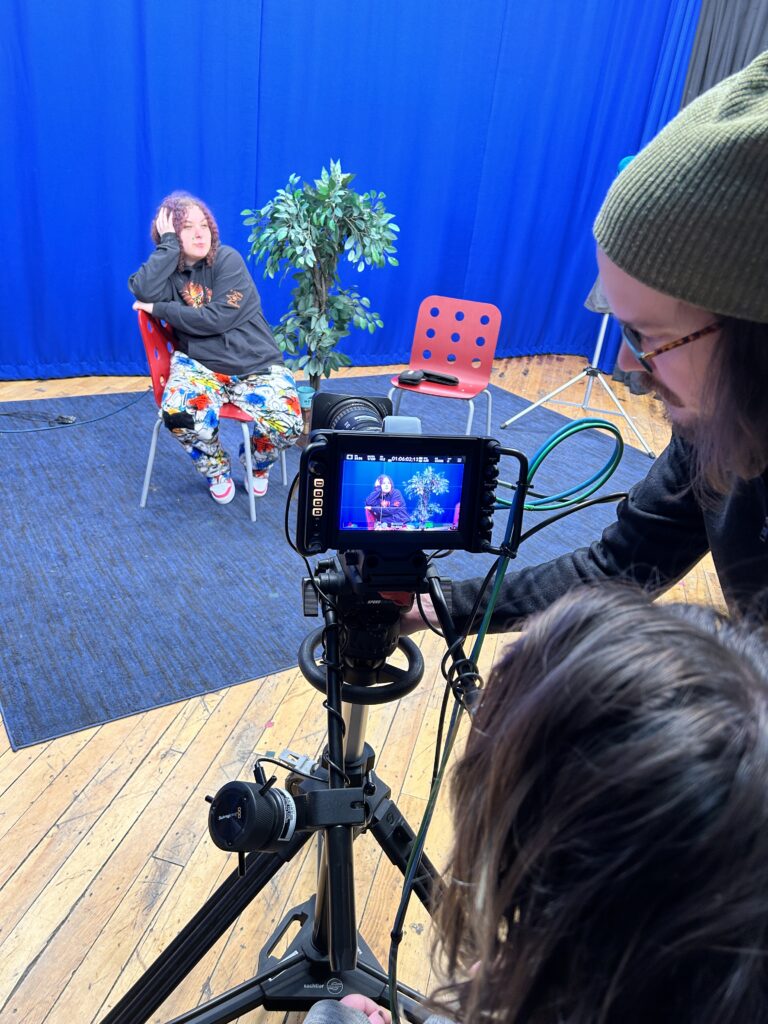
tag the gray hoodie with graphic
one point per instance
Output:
(215, 311)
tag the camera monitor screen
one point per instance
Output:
(396, 492)
(420, 493)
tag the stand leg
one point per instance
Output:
(323, 960)
(396, 837)
(591, 374)
(300, 978)
(304, 974)
(210, 922)
(546, 398)
(623, 412)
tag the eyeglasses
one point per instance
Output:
(632, 339)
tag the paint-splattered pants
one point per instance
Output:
(193, 398)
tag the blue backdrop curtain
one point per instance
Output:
(494, 128)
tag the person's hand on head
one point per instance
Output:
(376, 1014)
(164, 222)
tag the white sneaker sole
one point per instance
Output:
(260, 487)
(224, 499)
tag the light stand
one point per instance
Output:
(339, 799)
(591, 373)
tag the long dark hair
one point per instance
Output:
(731, 441)
(610, 862)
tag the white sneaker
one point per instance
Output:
(222, 489)
(260, 483)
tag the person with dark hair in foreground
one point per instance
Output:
(225, 349)
(683, 261)
(610, 858)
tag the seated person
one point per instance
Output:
(385, 505)
(610, 859)
(225, 349)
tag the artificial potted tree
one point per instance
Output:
(424, 486)
(308, 229)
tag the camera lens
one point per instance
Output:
(348, 412)
(356, 414)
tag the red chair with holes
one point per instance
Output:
(159, 344)
(456, 337)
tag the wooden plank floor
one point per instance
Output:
(104, 852)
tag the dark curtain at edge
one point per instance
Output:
(730, 34)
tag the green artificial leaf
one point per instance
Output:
(303, 232)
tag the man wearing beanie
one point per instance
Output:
(682, 249)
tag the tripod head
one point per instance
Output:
(369, 625)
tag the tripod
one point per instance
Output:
(340, 798)
(592, 374)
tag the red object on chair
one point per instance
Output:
(159, 344)
(457, 337)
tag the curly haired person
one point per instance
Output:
(225, 349)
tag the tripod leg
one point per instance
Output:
(210, 922)
(623, 412)
(300, 978)
(304, 974)
(546, 398)
(396, 838)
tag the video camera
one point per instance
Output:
(448, 482)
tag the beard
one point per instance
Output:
(689, 430)
(650, 383)
(685, 424)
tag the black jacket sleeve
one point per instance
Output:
(223, 312)
(152, 281)
(658, 536)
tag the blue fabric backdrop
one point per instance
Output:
(494, 128)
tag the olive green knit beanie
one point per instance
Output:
(689, 215)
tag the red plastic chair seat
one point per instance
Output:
(458, 337)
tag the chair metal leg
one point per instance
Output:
(395, 396)
(398, 397)
(249, 470)
(283, 467)
(150, 461)
(470, 417)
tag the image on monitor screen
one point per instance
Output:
(421, 493)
